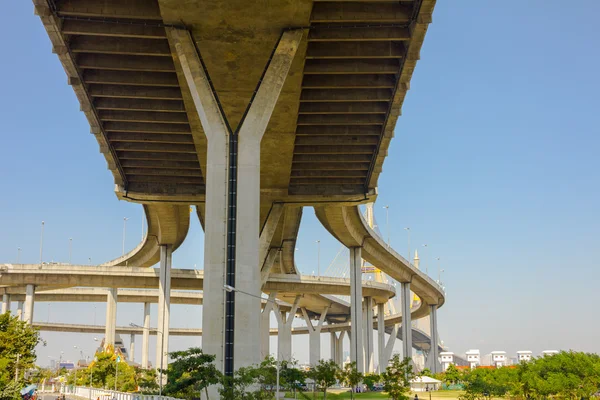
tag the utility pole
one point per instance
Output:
(42, 243)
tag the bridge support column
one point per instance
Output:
(385, 353)
(368, 315)
(164, 308)
(20, 310)
(131, 347)
(232, 227)
(381, 338)
(265, 326)
(337, 347)
(146, 336)
(284, 331)
(314, 336)
(111, 317)
(29, 300)
(433, 362)
(5, 303)
(406, 320)
(356, 317)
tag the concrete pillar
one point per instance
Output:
(247, 187)
(369, 360)
(265, 326)
(131, 347)
(5, 303)
(111, 317)
(382, 363)
(333, 346)
(314, 336)
(164, 307)
(406, 298)
(356, 331)
(340, 349)
(389, 347)
(433, 362)
(20, 310)
(146, 336)
(29, 300)
(284, 331)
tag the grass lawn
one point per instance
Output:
(342, 394)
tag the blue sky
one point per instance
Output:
(494, 166)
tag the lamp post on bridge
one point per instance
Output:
(407, 229)
(124, 229)
(318, 258)
(18, 254)
(387, 226)
(70, 249)
(42, 243)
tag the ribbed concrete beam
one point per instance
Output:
(104, 103)
(368, 50)
(155, 147)
(334, 149)
(135, 92)
(335, 95)
(137, 9)
(162, 156)
(360, 12)
(124, 63)
(352, 66)
(173, 164)
(127, 46)
(338, 130)
(99, 28)
(136, 78)
(149, 127)
(344, 108)
(169, 118)
(334, 158)
(358, 166)
(148, 138)
(342, 119)
(329, 174)
(163, 172)
(370, 33)
(369, 81)
(323, 140)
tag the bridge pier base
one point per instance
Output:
(111, 318)
(356, 317)
(406, 320)
(5, 303)
(337, 348)
(146, 336)
(164, 308)
(29, 301)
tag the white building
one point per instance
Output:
(498, 358)
(524, 355)
(446, 358)
(473, 358)
(549, 352)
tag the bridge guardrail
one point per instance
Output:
(102, 394)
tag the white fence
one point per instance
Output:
(102, 394)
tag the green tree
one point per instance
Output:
(350, 377)
(426, 372)
(324, 374)
(103, 371)
(396, 378)
(452, 375)
(371, 379)
(189, 373)
(290, 376)
(17, 353)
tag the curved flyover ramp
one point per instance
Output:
(347, 224)
(167, 224)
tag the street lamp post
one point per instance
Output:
(42, 243)
(70, 249)
(124, 228)
(440, 276)
(318, 258)
(229, 289)
(407, 229)
(18, 254)
(160, 379)
(425, 265)
(387, 225)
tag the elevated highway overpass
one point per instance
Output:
(286, 106)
